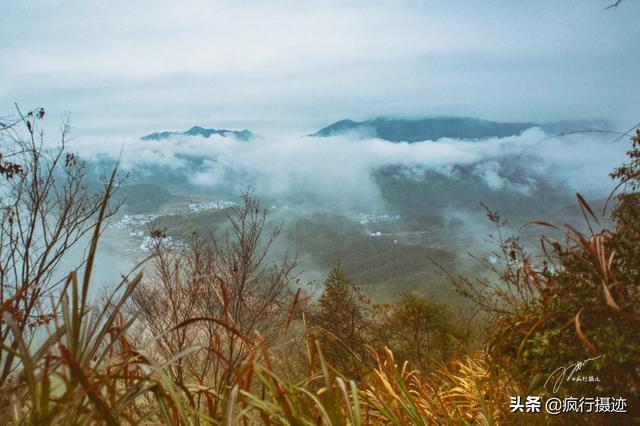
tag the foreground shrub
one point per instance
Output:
(581, 304)
(203, 349)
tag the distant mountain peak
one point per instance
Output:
(433, 128)
(243, 135)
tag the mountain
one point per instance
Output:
(416, 130)
(243, 135)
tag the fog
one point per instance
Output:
(338, 171)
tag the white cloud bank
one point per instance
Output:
(340, 170)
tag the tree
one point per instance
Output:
(46, 208)
(422, 330)
(580, 304)
(215, 304)
(341, 322)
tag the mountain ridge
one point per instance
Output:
(243, 135)
(433, 128)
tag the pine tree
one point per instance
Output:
(340, 322)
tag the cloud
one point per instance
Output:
(490, 172)
(340, 171)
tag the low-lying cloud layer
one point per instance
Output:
(338, 171)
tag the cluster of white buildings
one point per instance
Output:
(212, 205)
(367, 219)
(168, 243)
(132, 224)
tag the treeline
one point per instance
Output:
(217, 334)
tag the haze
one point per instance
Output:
(286, 68)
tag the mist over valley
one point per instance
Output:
(395, 210)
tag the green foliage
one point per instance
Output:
(581, 304)
(337, 282)
(422, 330)
(341, 323)
(378, 264)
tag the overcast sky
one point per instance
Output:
(132, 67)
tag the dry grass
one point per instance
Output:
(88, 371)
(83, 364)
